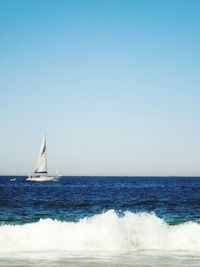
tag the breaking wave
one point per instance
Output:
(103, 232)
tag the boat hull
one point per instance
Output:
(42, 178)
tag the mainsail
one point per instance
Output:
(41, 166)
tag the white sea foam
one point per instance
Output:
(104, 232)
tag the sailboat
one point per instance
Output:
(40, 174)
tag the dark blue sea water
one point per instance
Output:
(175, 199)
(100, 221)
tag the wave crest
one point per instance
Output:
(103, 232)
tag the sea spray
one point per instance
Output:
(104, 232)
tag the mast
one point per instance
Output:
(41, 166)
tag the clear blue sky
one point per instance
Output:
(114, 84)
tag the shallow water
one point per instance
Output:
(139, 259)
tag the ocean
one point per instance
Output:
(100, 221)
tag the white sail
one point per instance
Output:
(41, 166)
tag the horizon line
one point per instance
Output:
(23, 175)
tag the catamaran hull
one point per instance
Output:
(42, 178)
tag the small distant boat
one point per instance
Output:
(40, 174)
(13, 179)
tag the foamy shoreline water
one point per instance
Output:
(99, 259)
(134, 238)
